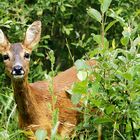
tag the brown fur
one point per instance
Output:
(33, 99)
(33, 103)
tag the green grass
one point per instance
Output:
(8, 116)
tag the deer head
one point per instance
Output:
(17, 56)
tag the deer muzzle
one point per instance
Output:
(18, 72)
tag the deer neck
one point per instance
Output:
(26, 102)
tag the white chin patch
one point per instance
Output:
(18, 76)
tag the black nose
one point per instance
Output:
(17, 70)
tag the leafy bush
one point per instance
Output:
(114, 92)
(110, 89)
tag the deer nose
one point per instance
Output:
(17, 70)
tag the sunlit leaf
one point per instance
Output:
(127, 32)
(136, 42)
(109, 109)
(105, 5)
(54, 131)
(102, 120)
(80, 87)
(124, 40)
(93, 13)
(81, 64)
(55, 116)
(110, 25)
(75, 98)
(82, 75)
(127, 76)
(98, 39)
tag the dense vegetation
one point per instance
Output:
(105, 30)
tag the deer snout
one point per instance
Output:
(17, 71)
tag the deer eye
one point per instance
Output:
(27, 55)
(5, 57)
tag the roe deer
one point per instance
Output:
(32, 98)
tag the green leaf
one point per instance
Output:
(75, 98)
(97, 103)
(93, 13)
(95, 88)
(80, 87)
(128, 127)
(127, 76)
(102, 120)
(82, 75)
(67, 29)
(54, 131)
(41, 134)
(43, 46)
(62, 8)
(110, 25)
(113, 44)
(123, 59)
(40, 54)
(127, 32)
(98, 39)
(81, 65)
(68, 5)
(136, 42)
(105, 5)
(39, 12)
(109, 109)
(114, 15)
(124, 40)
(55, 116)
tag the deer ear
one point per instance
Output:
(32, 35)
(4, 43)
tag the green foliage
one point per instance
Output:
(114, 92)
(94, 14)
(111, 98)
(105, 5)
(106, 30)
